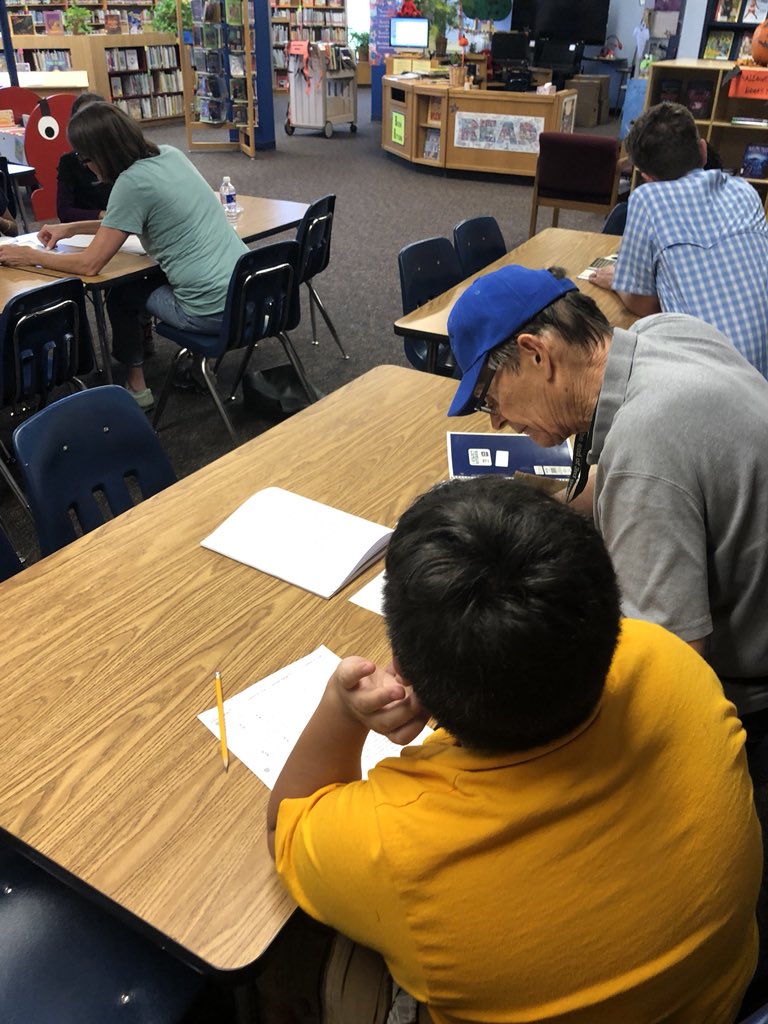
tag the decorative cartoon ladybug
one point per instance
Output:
(45, 141)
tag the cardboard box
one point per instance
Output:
(604, 103)
(587, 102)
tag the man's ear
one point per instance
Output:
(703, 151)
(536, 349)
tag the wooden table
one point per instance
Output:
(109, 650)
(260, 218)
(562, 247)
(16, 280)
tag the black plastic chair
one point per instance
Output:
(478, 242)
(64, 959)
(314, 237)
(262, 302)
(46, 343)
(427, 269)
(85, 459)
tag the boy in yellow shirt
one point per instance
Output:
(577, 842)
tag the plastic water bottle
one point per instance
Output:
(228, 197)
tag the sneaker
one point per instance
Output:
(145, 398)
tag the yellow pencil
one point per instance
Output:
(222, 725)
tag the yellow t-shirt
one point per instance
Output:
(611, 876)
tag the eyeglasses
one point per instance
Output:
(84, 160)
(481, 392)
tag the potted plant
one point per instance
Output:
(164, 17)
(360, 41)
(77, 20)
(442, 15)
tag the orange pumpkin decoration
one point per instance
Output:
(760, 43)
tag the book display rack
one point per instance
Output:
(222, 76)
(317, 22)
(728, 28)
(734, 125)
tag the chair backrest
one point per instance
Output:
(758, 1017)
(578, 167)
(7, 187)
(427, 268)
(263, 297)
(314, 237)
(478, 242)
(65, 959)
(10, 563)
(45, 341)
(18, 99)
(86, 458)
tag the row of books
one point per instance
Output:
(146, 84)
(217, 11)
(279, 59)
(720, 45)
(52, 22)
(148, 107)
(218, 36)
(162, 57)
(217, 111)
(52, 60)
(279, 35)
(294, 3)
(746, 11)
(323, 35)
(122, 59)
(220, 87)
(694, 94)
(321, 17)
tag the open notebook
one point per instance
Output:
(299, 540)
(131, 244)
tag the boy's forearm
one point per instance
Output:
(327, 751)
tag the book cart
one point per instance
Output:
(322, 87)
(222, 84)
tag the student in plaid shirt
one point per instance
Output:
(696, 241)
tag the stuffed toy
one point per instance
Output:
(409, 10)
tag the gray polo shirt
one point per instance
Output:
(681, 490)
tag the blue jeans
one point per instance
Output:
(127, 302)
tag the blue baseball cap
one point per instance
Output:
(490, 311)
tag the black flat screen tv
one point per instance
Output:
(568, 20)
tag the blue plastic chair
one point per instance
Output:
(64, 959)
(76, 457)
(262, 302)
(427, 269)
(758, 1017)
(314, 238)
(478, 242)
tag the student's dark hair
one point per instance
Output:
(664, 142)
(83, 99)
(103, 133)
(576, 318)
(503, 612)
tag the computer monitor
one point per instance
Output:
(509, 47)
(409, 33)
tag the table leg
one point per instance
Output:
(101, 330)
(19, 204)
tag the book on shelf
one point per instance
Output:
(750, 122)
(434, 111)
(669, 90)
(132, 60)
(54, 23)
(754, 11)
(744, 46)
(727, 10)
(237, 65)
(718, 45)
(698, 97)
(112, 23)
(22, 24)
(432, 144)
(755, 161)
(135, 23)
(213, 36)
(116, 85)
(233, 12)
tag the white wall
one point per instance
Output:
(625, 15)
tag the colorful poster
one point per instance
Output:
(506, 132)
(398, 128)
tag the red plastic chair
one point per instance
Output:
(575, 172)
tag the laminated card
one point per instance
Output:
(299, 540)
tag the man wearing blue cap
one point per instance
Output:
(676, 422)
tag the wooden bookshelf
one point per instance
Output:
(315, 22)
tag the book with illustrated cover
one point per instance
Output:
(669, 90)
(754, 11)
(237, 65)
(698, 98)
(745, 46)
(755, 162)
(234, 12)
(198, 7)
(54, 23)
(432, 144)
(112, 23)
(132, 60)
(213, 37)
(22, 24)
(718, 46)
(727, 10)
(434, 111)
(134, 23)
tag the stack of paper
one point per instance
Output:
(299, 540)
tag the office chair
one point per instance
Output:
(45, 342)
(65, 959)
(262, 302)
(427, 269)
(478, 241)
(85, 459)
(616, 220)
(314, 237)
(575, 172)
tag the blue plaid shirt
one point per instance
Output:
(700, 245)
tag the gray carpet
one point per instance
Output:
(382, 204)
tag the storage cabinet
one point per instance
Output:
(698, 84)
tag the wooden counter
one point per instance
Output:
(469, 129)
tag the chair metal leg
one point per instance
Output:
(296, 363)
(101, 328)
(312, 313)
(241, 372)
(160, 404)
(210, 383)
(328, 322)
(17, 491)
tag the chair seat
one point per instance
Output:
(584, 197)
(208, 345)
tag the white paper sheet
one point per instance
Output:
(371, 596)
(264, 721)
(299, 540)
(131, 244)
